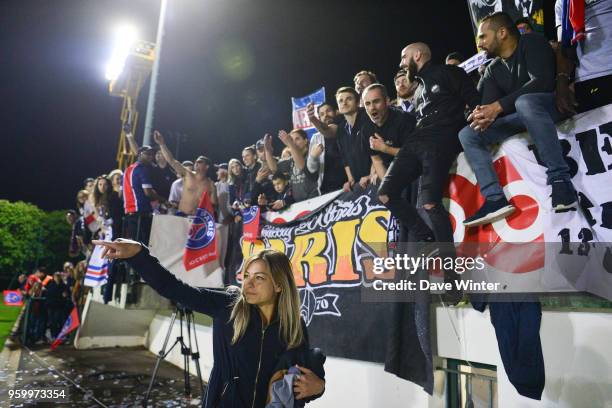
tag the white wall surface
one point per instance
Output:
(577, 351)
(577, 356)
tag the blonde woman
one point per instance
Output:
(254, 327)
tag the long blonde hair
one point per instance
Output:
(287, 302)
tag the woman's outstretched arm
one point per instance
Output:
(211, 302)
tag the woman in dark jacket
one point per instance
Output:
(253, 327)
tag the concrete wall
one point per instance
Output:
(349, 382)
(109, 326)
(576, 354)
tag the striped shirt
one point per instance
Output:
(135, 179)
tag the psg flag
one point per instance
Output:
(71, 323)
(201, 246)
(13, 298)
(250, 223)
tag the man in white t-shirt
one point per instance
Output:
(593, 70)
(176, 189)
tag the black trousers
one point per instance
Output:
(432, 162)
(138, 226)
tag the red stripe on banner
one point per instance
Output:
(128, 191)
(103, 271)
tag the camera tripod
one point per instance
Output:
(185, 316)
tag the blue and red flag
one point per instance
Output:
(71, 323)
(299, 104)
(201, 246)
(250, 223)
(13, 298)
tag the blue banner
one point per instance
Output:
(300, 118)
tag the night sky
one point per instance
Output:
(228, 70)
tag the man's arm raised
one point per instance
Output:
(133, 144)
(175, 164)
(270, 159)
(326, 130)
(298, 158)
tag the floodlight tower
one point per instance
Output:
(127, 71)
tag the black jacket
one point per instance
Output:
(440, 100)
(530, 69)
(241, 372)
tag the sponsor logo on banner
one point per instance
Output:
(201, 245)
(299, 104)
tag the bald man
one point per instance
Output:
(440, 99)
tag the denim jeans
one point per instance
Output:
(536, 113)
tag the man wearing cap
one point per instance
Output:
(138, 193)
(195, 182)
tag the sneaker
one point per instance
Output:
(491, 210)
(563, 195)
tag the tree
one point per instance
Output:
(30, 237)
(55, 240)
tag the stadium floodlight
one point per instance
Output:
(125, 37)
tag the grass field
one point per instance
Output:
(8, 315)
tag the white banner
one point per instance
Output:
(575, 252)
(167, 243)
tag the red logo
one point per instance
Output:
(507, 245)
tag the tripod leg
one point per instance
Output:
(160, 356)
(186, 353)
(196, 357)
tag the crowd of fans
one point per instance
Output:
(52, 297)
(404, 146)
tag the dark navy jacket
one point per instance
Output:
(241, 372)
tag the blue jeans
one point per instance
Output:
(535, 112)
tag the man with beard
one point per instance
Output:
(195, 182)
(430, 150)
(324, 156)
(517, 95)
(405, 91)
